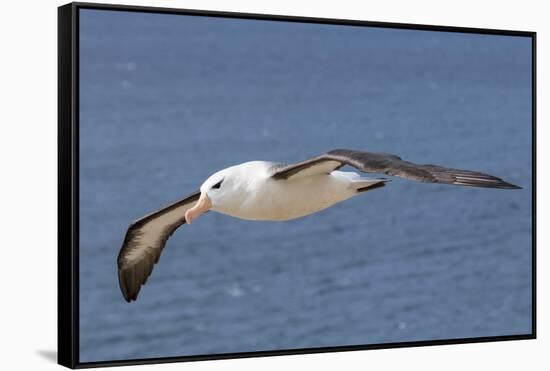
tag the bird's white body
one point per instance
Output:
(255, 195)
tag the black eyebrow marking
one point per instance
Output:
(217, 185)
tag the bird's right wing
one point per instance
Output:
(384, 163)
(144, 242)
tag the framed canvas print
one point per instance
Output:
(236, 185)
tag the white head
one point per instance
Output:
(223, 191)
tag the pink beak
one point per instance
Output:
(202, 206)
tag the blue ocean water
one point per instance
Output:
(167, 100)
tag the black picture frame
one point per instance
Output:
(68, 183)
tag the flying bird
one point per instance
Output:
(270, 191)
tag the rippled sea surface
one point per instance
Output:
(167, 100)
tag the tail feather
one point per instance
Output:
(371, 184)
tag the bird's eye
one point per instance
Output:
(217, 185)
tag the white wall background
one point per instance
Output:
(28, 165)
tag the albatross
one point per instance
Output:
(271, 191)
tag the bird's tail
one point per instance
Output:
(365, 184)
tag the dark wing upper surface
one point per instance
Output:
(144, 242)
(371, 162)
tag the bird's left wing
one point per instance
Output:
(144, 242)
